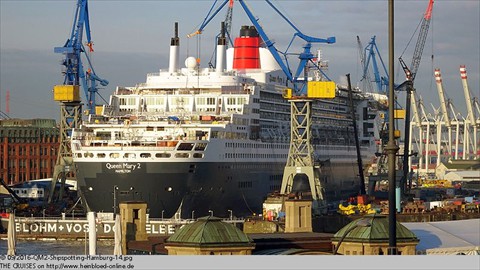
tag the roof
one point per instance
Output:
(289, 251)
(446, 234)
(209, 231)
(42, 183)
(377, 231)
(462, 165)
(464, 175)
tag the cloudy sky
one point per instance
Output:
(132, 39)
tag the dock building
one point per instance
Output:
(28, 149)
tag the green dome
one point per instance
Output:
(209, 231)
(377, 231)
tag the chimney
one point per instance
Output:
(221, 51)
(174, 51)
(246, 54)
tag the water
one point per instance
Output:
(57, 247)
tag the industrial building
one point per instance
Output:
(28, 149)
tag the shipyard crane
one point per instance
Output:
(68, 93)
(73, 50)
(300, 158)
(371, 51)
(367, 81)
(408, 85)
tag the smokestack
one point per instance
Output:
(246, 54)
(221, 50)
(174, 51)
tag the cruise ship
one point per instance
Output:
(194, 141)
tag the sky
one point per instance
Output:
(132, 38)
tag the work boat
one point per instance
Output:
(196, 141)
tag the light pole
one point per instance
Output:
(193, 212)
(211, 213)
(115, 188)
(231, 214)
(360, 223)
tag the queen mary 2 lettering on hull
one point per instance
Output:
(195, 140)
(123, 167)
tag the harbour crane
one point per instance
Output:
(67, 94)
(371, 53)
(473, 122)
(408, 85)
(300, 158)
(73, 50)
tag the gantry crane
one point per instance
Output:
(473, 122)
(410, 74)
(68, 93)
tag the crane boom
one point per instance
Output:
(228, 22)
(422, 37)
(209, 17)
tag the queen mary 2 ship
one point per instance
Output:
(198, 141)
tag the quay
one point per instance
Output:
(77, 228)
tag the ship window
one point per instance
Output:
(101, 155)
(129, 155)
(182, 155)
(104, 135)
(231, 101)
(201, 101)
(185, 147)
(114, 155)
(245, 184)
(88, 155)
(163, 155)
(131, 101)
(241, 100)
(79, 155)
(197, 155)
(200, 146)
(145, 155)
(149, 128)
(210, 101)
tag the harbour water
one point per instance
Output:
(57, 247)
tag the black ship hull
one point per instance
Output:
(197, 189)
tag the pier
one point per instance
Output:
(77, 228)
